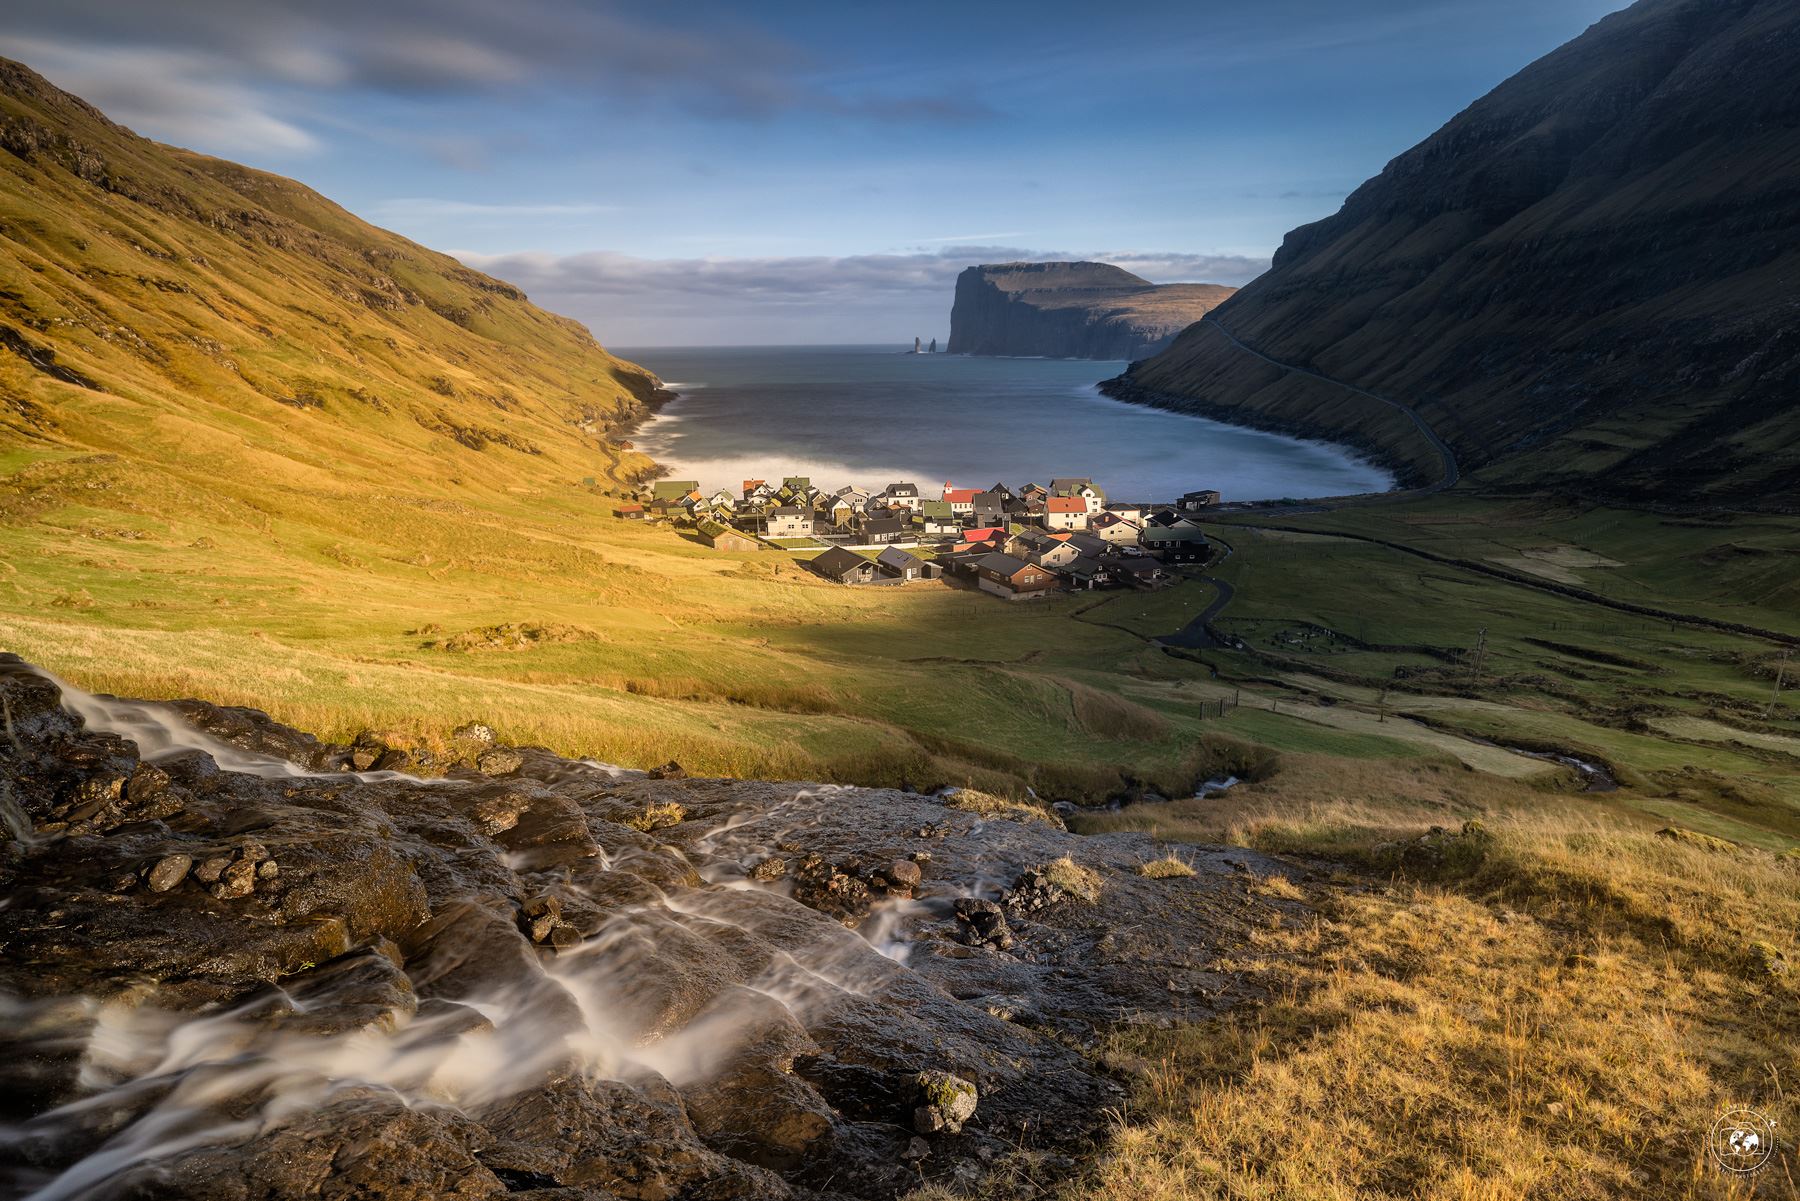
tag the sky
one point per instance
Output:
(700, 173)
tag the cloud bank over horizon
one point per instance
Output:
(631, 301)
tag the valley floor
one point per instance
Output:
(1456, 989)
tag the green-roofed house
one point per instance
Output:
(938, 517)
(720, 536)
(1182, 543)
(674, 489)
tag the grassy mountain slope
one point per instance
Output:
(1584, 281)
(235, 326)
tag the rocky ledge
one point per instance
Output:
(238, 966)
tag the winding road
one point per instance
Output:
(1451, 473)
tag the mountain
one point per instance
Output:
(235, 327)
(1071, 311)
(1587, 282)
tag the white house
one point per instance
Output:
(789, 521)
(1065, 513)
(1115, 529)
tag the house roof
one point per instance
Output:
(903, 489)
(960, 496)
(883, 525)
(1105, 521)
(984, 534)
(1066, 504)
(936, 508)
(1089, 544)
(1083, 567)
(630, 507)
(1174, 533)
(837, 562)
(1001, 564)
(789, 511)
(893, 556)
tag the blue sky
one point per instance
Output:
(702, 173)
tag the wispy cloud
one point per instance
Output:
(868, 280)
(641, 301)
(404, 208)
(175, 95)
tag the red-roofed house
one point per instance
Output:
(961, 500)
(1065, 513)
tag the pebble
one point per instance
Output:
(169, 871)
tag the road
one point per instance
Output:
(1451, 473)
(1195, 635)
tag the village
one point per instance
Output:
(1015, 543)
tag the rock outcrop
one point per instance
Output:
(1071, 311)
(510, 984)
(1584, 282)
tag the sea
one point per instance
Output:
(875, 415)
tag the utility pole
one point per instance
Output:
(1382, 703)
(1780, 677)
(1480, 655)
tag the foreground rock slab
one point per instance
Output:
(262, 972)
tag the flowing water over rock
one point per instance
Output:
(236, 969)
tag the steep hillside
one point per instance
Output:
(1071, 311)
(1586, 281)
(233, 326)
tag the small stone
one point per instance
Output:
(498, 762)
(238, 880)
(268, 869)
(668, 771)
(475, 731)
(772, 868)
(564, 937)
(254, 851)
(212, 868)
(169, 871)
(904, 873)
(916, 1149)
(543, 925)
(543, 903)
(944, 1102)
(362, 758)
(393, 760)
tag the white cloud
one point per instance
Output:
(797, 299)
(173, 95)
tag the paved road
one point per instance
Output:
(1195, 635)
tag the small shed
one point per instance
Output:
(842, 566)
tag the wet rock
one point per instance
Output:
(668, 771)
(397, 972)
(498, 762)
(393, 759)
(904, 874)
(237, 880)
(211, 868)
(820, 885)
(498, 814)
(944, 1102)
(981, 922)
(167, 872)
(364, 755)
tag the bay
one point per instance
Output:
(871, 415)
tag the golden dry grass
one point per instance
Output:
(1169, 867)
(1559, 1018)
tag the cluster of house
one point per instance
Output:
(1017, 543)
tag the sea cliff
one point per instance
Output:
(1072, 311)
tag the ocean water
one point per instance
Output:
(871, 415)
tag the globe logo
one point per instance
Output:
(1741, 1140)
